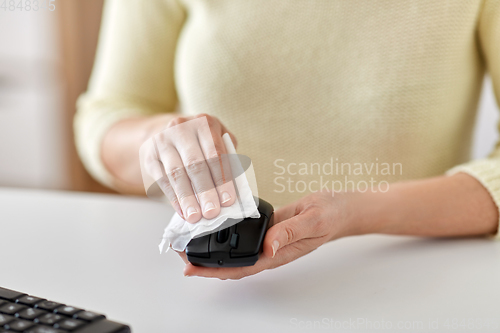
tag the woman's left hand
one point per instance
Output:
(298, 229)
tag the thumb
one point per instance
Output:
(285, 233)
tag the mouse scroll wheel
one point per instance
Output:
(223, 235)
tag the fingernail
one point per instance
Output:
(209, 206)
(275, 247)
(225, 197)
(191, 210)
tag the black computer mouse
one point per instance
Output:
(236, 246)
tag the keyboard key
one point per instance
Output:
(67, 310)
(29, 300)
(49, 319)
(10, 295)
(11, 308)
(88, 316)
(43, 329)
(70, 324)
(19, 325)
(4, 319)
(104, 326)
(48, 305)
(31, 314)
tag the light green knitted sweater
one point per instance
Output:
(316, 91)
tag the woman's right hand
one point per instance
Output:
(187, 159)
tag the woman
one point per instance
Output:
(359, 85)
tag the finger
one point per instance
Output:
(215, 153)
(178, 179)
(199, 173)
(169, 192)
(155, 168)
(287, 232)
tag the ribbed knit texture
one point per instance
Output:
(361, 81)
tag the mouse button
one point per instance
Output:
(234, 241)
(199, 247)
(222, 235)
(215, 246)
(250, 237)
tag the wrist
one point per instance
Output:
(362, 213)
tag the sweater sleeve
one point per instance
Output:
(133, 74)
(487, 171)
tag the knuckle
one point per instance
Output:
(201, 115)
(196, 167)
(212, 120)
(177, 173)
(176, 121)
(290, 234)
(172, 123)
(150, 163)
(213, 154)
(311, 206)
(161, 141)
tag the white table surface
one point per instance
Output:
(101, 252)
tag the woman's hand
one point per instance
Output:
(443, 206)
(187, 161)
(298, 229)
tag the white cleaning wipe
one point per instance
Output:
(179, 233)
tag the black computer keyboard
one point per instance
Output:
(20, 312)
